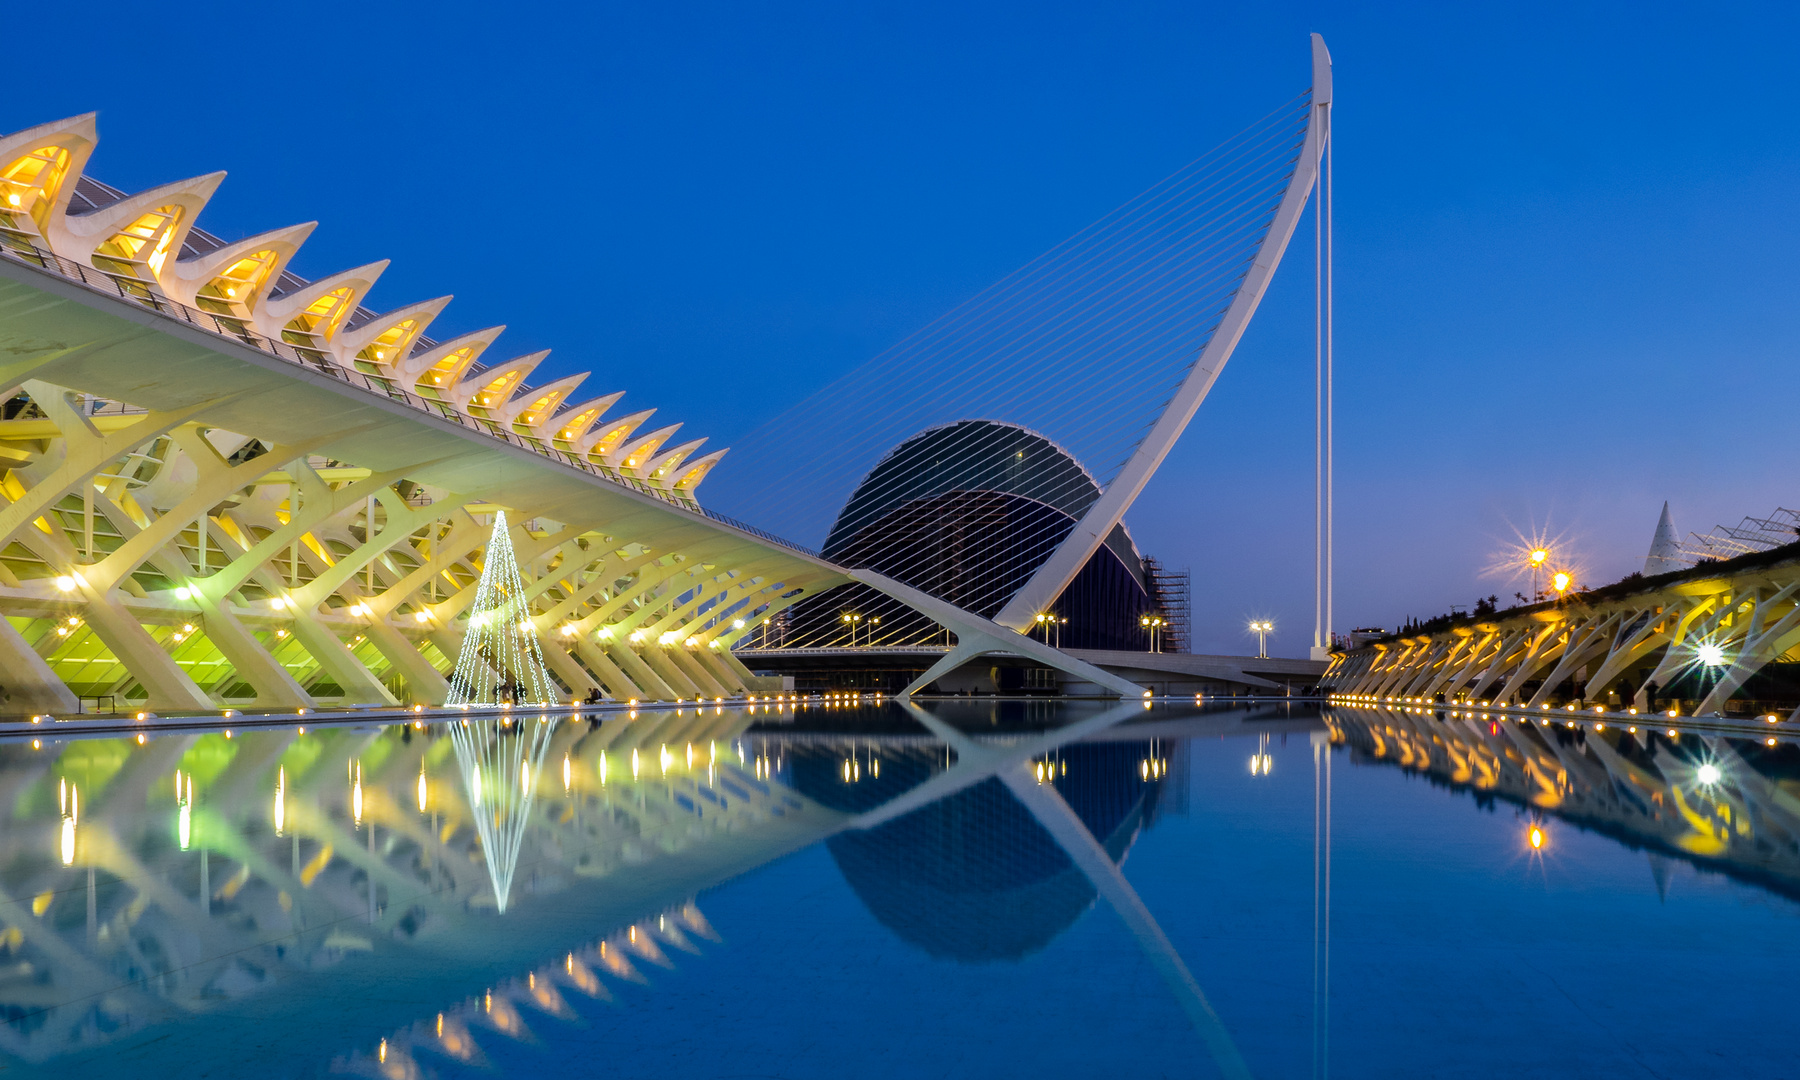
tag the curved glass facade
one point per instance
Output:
(967, 512)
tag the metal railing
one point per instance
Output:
(236, 329)
(760, 534)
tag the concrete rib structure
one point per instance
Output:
(1694, 638)
(228, 485)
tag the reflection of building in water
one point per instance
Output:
(974, 877)
(1725, 803)
(501, 1009)
(146, 883)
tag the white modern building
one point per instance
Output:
(229, 486)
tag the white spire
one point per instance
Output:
(1665, 554)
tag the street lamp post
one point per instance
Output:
(851, 621)
(1536, 559)
(1262, 628)
(1152, 623)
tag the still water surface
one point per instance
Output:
(964, 889)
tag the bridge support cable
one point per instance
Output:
(1124, 487)
(1103, 347)
(1085, 345)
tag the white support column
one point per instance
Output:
(976, 636)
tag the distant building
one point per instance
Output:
(1665, 552)
(967, 512)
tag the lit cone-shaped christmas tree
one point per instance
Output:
(500, 661)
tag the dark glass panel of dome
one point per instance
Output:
(971, 455)
(968, 512)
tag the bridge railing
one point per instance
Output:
(235, 329)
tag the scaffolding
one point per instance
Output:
(1172, 593)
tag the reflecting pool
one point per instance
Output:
(976, 888)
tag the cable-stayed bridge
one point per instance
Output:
(228, 485)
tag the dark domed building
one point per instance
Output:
(968, 512)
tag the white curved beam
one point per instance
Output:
(1091, 531)
(75, 136)
(493, 388)
(573, 423)
(658, 468)
(418, 367)
(603, 438)
(78, 237)
(634, 456)
(351, 342)
(272, 314)
(695, 471)
(535, 406)
(192, 275)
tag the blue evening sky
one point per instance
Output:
(1566, 234)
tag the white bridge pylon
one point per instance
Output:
(1091, 531)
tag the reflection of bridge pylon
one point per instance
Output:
(500, 760)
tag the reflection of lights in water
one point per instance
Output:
(184, 817)
(666, 758)
(501, 762)
(568, 779)
(603, 768)
(634, 763)
(1709, 774)
(1536, 838)
(280, 800)
(69, 801)
(1260, 764)
(422, 789)
(356, 796)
